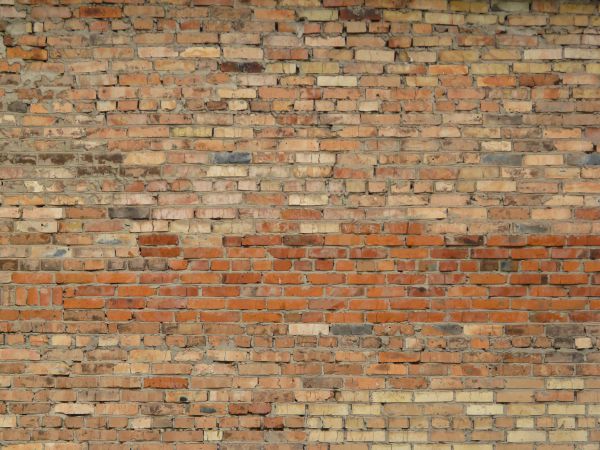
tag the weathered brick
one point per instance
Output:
(343, 224)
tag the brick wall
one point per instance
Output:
(299, 225)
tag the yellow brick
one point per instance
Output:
(392, 397)
(475, 396)
(308, 199)
(566, 409)
(399, 16)
(319, 15)
(444, 18)
(525, 409)
(496, 186)
(339, 409)
(569, 436)
(526, 436)
(407, 436)
(485, 410)
(227, 171)
(434, 396)
(564, 383)
(542, 160)
(8, 421)
(543, 53)
(365, 436)
(531, 67)
(325, 436)
(319, 67)
(366, 410)
(192, 131)
(243, 52)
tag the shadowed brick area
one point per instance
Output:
(299, 225)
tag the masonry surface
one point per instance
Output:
(299, 225)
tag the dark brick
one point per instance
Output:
(351, 329)
(527, 228)
(450, 328)
(232, 158)
(129, 212)
(248, 67)
(564, 330)
(463, 240)
(359, 14)
(8, 264)
(18, 107)
(502, 159)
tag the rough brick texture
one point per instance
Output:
(299, 225)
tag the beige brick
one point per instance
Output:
(74, 409)
(308, 328)
(308, 199)
(525, 409)
(144, 158)
(434, 396)
(200, 52)
(227, 171)
(242, 52)
(325, 436)
(150, 355)
(564, 383)
(323, 409)
(543, 53)
(526, 436)
(375, 55)
(569, 436)
(556, 409)
(319, 67)
(43, 213)
(581, 53)
(543, 160)
(192, 131)
(407, 436)
(474, 396)
(33, 226)
(319, 15)
(8, 421)
(338, 81)
(485, 410)
(496, 186)
(392, 397)
(366, 436)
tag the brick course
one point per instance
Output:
(312, 224)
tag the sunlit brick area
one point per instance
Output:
(299, 225)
